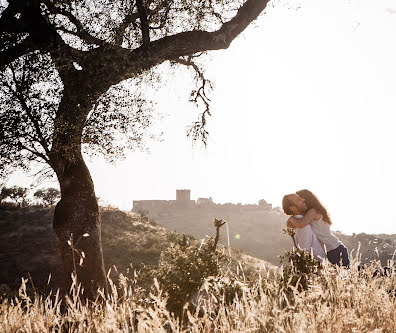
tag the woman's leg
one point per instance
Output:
(339, 255)
(345, 256)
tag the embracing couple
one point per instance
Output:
(311, 223)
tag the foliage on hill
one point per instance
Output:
(369, 247)
(257, 232)
(28, 245)
(129, 240)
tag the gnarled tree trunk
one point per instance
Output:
(76, 218)
(76, 215)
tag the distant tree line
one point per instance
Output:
(19, 196)
(370, 247)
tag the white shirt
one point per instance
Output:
(307, 240)
(324, 234)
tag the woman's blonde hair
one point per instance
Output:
(313, 202)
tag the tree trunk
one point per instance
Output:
(76, 217)
(77, 226)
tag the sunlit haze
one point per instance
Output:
(304, 98)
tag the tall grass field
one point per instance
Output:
(334, 301)
(180, 284)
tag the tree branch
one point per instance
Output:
(122, 63)
(163, 19)
(120, 31)
(160, 6)
(33, 152)
(20, 96)
(198, 129)
(8, 21)
(10, 54)
(81, 32)
(85, 36)
(143, 22)
(41, 34)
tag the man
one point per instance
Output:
(305, 238)
(317, 216)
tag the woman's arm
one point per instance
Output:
(311, 216)
(289, 224)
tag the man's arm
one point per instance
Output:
(311, 216)
(304, 238)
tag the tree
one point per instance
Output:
(64, 68)
(47, 196)
(16, 193)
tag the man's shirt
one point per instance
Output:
(307, 240)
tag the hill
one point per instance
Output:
(257, 231)
(290, 300)
(28, 244)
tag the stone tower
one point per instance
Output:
(183, 196)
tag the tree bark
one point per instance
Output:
(76, 217)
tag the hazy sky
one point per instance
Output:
(305, 98)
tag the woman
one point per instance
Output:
(320, 222)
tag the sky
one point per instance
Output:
(304, 98)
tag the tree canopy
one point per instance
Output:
(47, 45)
(47, 196)
(71, 74)
(16, 193)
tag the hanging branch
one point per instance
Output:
(198, 128)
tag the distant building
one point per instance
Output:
(264, 204)
(183, 201)
(204, 201)
(183, 195)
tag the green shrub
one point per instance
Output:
(227, 288)
(183, 268)
(300, 267)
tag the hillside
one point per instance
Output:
(258, 232)
(28, 244)
(288, 300)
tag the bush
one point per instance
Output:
(226, 288)
(298, 271)
(183, 268)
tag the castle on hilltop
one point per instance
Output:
(183, 200)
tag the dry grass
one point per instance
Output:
(336, 301)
